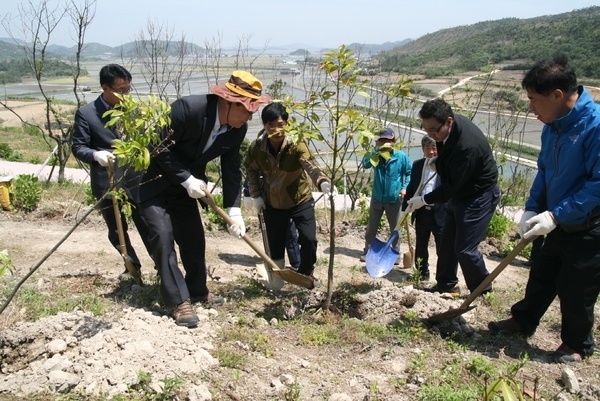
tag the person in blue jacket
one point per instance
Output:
(564, 205)
(391, 177)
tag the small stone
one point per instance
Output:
(56, 347)
(570, 380)
(274, 322)
(340, 397)
(287, 379)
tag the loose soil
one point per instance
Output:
(87, 354)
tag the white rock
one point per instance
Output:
(199, 393)
(63, 381)
(139, 346)
(56, 347)
(339, 397)
(276, 383)
(570, 381)
(158, 387)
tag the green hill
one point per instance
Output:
(504, 43)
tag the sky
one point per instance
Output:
(319, 23)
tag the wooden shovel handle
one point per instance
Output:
(117, 211)
(488, 280)
(211, 202)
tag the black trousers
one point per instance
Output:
(425, 225)
(465, 225)
(568, 266)
(173, 216)
(108, 214)
(303, 216)
(292, 247)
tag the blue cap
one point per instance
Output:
(387, 133)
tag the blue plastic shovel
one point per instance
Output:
(381, 255)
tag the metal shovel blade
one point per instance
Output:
(449, 314)
(466, 305)
(382, 256)
(288, 275)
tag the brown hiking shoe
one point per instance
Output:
(184, 314)
(566, 354)
(208, 299)
(508, 326)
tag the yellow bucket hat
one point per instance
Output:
(243, 88)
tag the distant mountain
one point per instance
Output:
(509, 42)
(374, 49)
(12, 41)
(10, 50)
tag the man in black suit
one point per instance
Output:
(428, 219)
(469, 183)
(92, 144)
(203, 127)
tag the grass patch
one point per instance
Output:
(230, 358)
(39, 305)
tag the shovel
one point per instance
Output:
(381, 255)
(288, 275)
(128, 263)
(270, 280)
(408, 259)
(465, 306)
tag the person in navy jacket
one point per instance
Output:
(92, 144)
(203, 128)
(469, 184)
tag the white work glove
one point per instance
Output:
(523, 224)
(258, 204)
(195, 188)
(103, 156)
(248, 204)
(327, 190)
(416, 202)
(239, 228)
(431, 163)
(541, 224)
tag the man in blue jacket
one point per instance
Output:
(392, 175)
(564, 205)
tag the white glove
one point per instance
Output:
(248, 204)
(541, 224)
(239, 228)
(103, 156)
(327, 190)
(431, 163)
(416, 202)
(523, 224)
(258, 204)
(195, 188)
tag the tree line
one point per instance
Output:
(13, 71)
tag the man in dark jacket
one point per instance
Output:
(428, 219)
(469, 183)
(92, 144)
(203, 127)
(563, 205)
